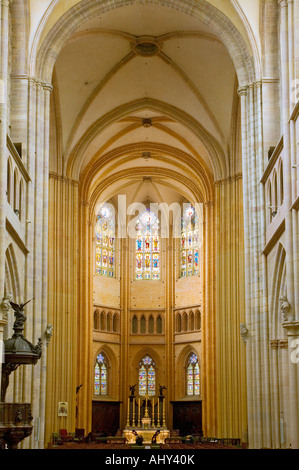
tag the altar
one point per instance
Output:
(147, 435)
(146, 419)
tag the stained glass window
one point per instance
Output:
(100, 376)
(147, 377)
(105, 242)
(190, 238)
(193, 381)
(147, 246)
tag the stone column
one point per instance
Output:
(124, 321)
(275, 421)
(292, 328)
(287, 170)
(209, 367)
(4, 35)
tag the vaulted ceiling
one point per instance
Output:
(144, 87)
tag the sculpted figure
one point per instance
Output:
(5, 306)
(285, 307)
(244, 332)
(19, 314)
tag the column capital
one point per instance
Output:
(243, 90)
(38, 83)
(283, 3)
(292, 327)
(5, 3)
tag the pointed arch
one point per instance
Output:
(15, 190)
(9, 184)
(280, 179)
(181, 369)
(21, 200)
(110, 373)
(12, 280)
(279, 289)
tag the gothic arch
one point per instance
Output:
(12, 284)
(278, 289)
(147, 351)
(181, 369)
(279, 354)
(112, 367)
(45, 52)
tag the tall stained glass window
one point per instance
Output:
(190, 238)
(147, 246)
(100, 376)
(105, 242)
(193, 385)
(147, 377)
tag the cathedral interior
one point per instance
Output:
(149, 196)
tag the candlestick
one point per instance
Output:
(134, 412)
(128, 415)
(139, 415)
(158, 424)
(163, 415)
(153, 412)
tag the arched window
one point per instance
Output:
(101, 376)
(193, 376)
(105, 242)
(142, 324)
(147, 246)
(275, 192)
(159, 324)
(147, 377)
(115, 323)
(96, 320)
(8, 185)
(281, 183)
(179, 323)
(134, 324)
(190, 243)
(103, 324)
(15, 191)
(21, 200)
(151, 325)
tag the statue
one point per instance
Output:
(132, 390)
(161, 389)
(49, 333)
(139, 438)
(285, 307)
(38, 348)
(154, 438)
(244, 332)
(5, 306)
(19, 314)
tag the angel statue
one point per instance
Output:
(19, 314)
(132, 389)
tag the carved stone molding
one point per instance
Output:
(274, 343)
(4, 308)
(48, 333)
(292, 328)
(37, 83)
(283, 344)
(243, 90)
(244, 332)
(285, 308)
